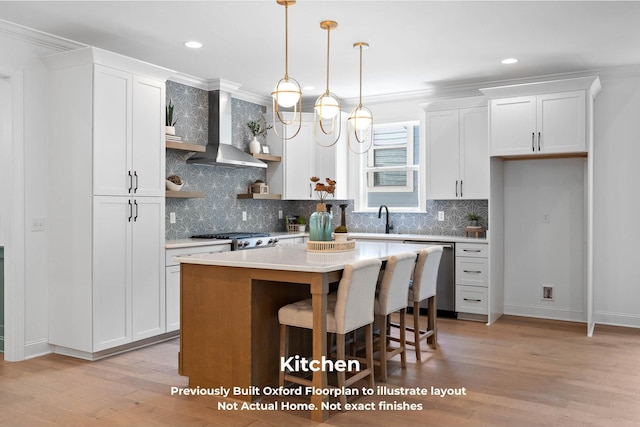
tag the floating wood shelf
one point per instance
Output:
(267, 157)
(185, 147)
(260, 196)
(185, 194)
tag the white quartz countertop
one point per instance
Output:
(296, 257)
(418, 237)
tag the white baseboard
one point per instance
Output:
(616, 319)
(545, 313)
(37, 348)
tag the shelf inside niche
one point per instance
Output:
(257, 196)
(185, 147)
(185, 194)
(267, 157)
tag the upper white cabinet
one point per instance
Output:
(457, 149)
(303, 158)
(105, 225)
(541, 119)
(130, 163)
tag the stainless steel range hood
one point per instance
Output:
(219, 150)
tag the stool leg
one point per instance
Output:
(382, 324)
(284, 339)
(416, 330)
(403, 338)
(431, 326)
(340, 355)
(368, 342)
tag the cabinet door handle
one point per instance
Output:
(310, 191)
(472, 300)
(135, 218)
(135, 174)
(471, 250)
(456, 188)
(472, 271)
(130, 182)
(533, 141)
(460, 188)
(130, 211)
(539, 139)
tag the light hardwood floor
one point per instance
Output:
(517, 372)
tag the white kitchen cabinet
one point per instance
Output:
(105, 224)
(457, 150)
(128, 286)
(172, 279)
(541, 119)
(472, 281)
(303, 158)
(130, 163)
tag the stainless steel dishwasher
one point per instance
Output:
(446, 287)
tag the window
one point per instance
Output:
(392, 168)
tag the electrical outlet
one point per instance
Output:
(546, 218)
(172, 217)
(547, 293)
(244, 215)
(440, 215)
(37, 224)
(279, 214)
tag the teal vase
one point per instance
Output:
(320, 224)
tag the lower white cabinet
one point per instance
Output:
(172, 279)
(472, 281)
(284, 241)
(128, 284)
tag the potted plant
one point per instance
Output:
(169, 128)
(174, 183)
(302, 224)
(257, 128)
(473, 219)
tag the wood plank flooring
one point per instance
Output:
(517, 372)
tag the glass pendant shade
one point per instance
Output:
(327, 106)
(287, 93)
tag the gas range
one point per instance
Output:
(242, 240)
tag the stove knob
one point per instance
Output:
(243, 243)
(259, 242)
(275, 240)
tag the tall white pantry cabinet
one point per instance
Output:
(105, 227)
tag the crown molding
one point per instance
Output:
(38, 38)
(214, 84)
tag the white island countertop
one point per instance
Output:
(297, 258)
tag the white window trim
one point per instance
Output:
(360, 205)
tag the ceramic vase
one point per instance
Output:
(320, 224)
(255, 146)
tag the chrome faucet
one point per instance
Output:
(387, 226)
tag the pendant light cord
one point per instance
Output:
(286, 41)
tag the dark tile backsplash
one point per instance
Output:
(221, 211)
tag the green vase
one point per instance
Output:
(320, 224)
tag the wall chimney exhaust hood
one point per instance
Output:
(219, 150)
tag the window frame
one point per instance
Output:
(362, 200)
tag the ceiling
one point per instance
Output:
(415, 46)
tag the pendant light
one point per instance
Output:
(327, 120)
(360, 120)
(287, 94)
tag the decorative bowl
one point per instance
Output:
(341, 237)
(172, 186)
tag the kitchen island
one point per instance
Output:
(229, 305)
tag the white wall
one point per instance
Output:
(617, 202)
(5, 123)
(24, 57)
(537, 252)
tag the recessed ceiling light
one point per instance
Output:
(509, 61)
(193, 44)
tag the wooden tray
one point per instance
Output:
(332, 246)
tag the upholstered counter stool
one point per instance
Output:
(425, 278)
(350, 308)
(392, 297)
